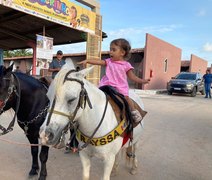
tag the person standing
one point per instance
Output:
(207, 83)
(56, 64)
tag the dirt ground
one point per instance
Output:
(176, 145)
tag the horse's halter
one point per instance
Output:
(11, 89)
(83, 98)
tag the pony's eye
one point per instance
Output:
(70, 101)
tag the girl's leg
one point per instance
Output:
(135, 113)
(131, 103)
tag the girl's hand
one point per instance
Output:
(83, 63)
(146, 81)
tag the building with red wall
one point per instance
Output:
(162, 61)
(195, 64)
(198, 64)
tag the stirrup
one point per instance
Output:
(136, 116)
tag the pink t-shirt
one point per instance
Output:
(116, 75)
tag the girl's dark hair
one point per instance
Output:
(124, 45)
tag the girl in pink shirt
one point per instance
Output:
(118, 70)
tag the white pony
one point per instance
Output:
(74, 99)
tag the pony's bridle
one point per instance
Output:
(83, 98)
(11, 89)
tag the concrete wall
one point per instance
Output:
(162, 60)
(198, 64)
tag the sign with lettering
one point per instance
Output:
(62, 12)
(111, 136)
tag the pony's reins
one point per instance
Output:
(18, 143)
(22, 144)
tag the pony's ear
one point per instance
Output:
(10, 68)
(84, 72)
(8, 71)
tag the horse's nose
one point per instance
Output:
(49, 134)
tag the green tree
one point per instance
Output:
(17, 53)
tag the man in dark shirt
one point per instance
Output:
(207, 82)
(56, 64)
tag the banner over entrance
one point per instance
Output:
(62, 12)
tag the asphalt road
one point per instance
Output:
(176, 145)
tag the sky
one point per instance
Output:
(186, 24)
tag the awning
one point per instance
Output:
(17, 29)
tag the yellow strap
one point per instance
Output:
(118, 131)
(60, 113)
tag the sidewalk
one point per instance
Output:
(150, 92)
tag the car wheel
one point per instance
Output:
(194, 92)
(169, 92)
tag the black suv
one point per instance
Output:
(186, 82)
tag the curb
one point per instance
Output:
(150, 92)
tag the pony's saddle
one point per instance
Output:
(121, 107)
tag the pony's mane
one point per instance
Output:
(59, 79)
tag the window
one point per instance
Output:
(165, 65)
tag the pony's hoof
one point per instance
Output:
(42, 178)
(33, 172)
(67, 149)
(133, 171)
(114, 173)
